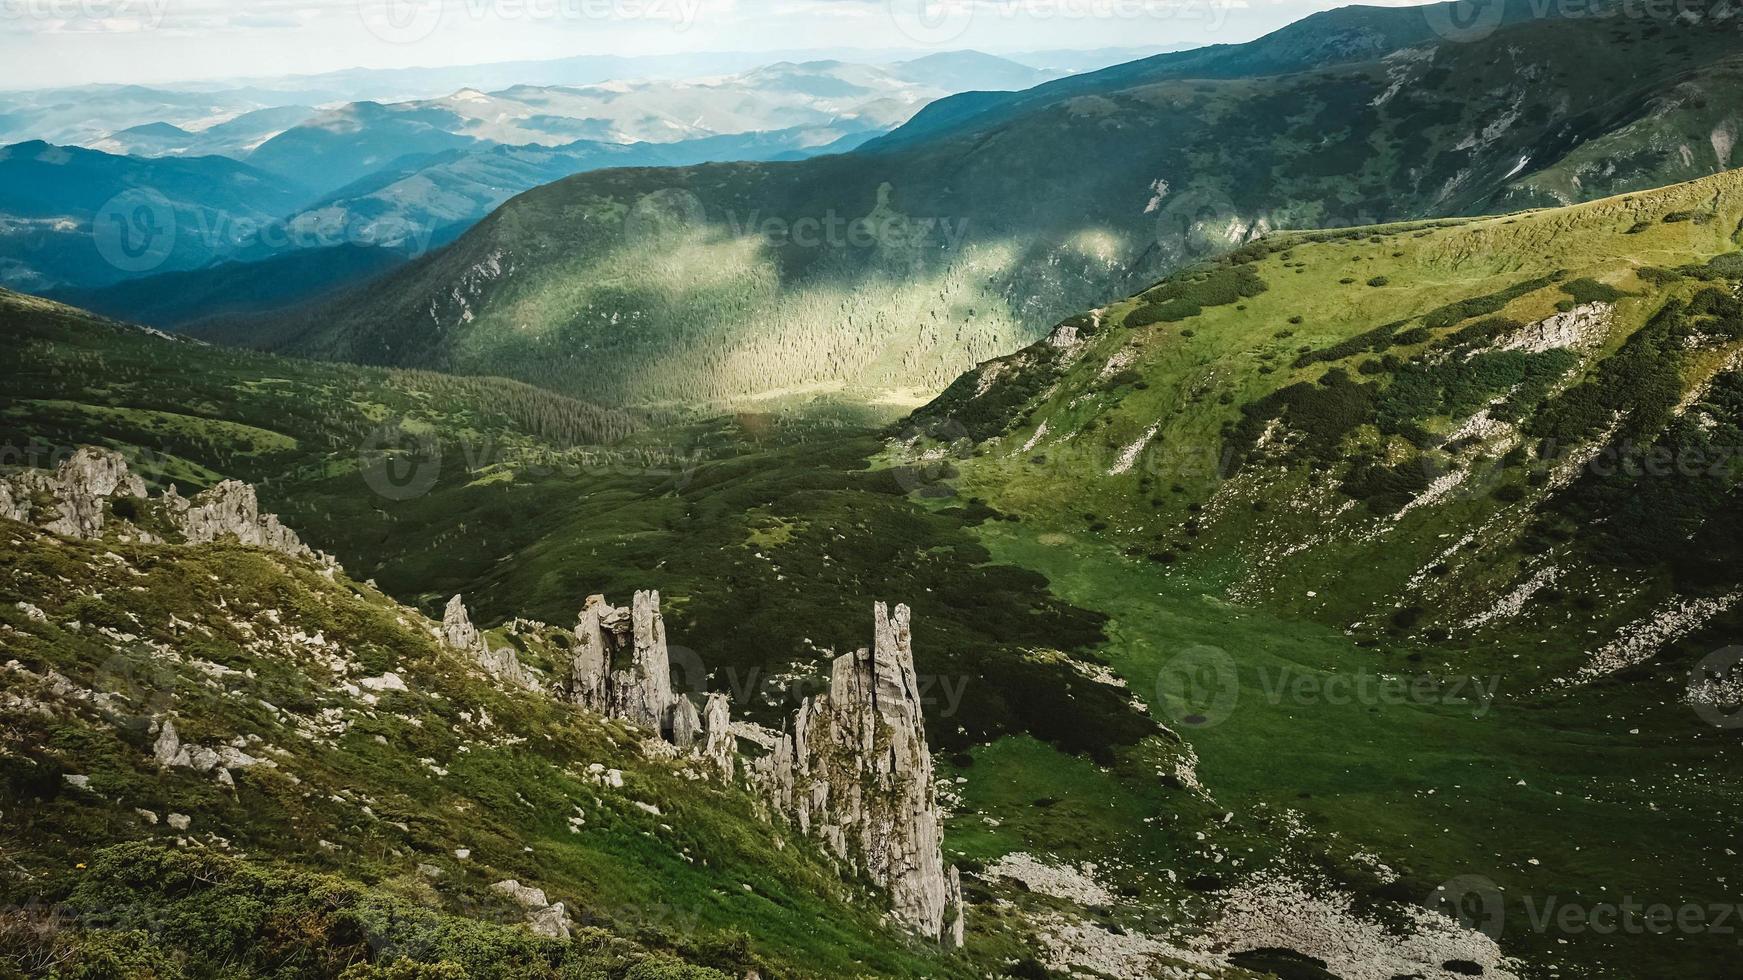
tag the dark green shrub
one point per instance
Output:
(1465, 309)
(1588, 290)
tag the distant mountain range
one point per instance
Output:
(71, 215)
(407, 176)
(89, 115)
(1015, 209)
(829, 99)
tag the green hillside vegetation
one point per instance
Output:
(779, 531)
(1058, 717)
(1302, 449)
(1434, 432)
(431, 485)
(370, 835)
(203, 412)
(661, 287)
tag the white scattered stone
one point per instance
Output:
(386, 682)
(1058, 880)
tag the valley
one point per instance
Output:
(1260, 511)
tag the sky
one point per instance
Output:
(47, 43)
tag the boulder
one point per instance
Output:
(545, 918)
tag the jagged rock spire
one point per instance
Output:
(501, 663)
(457, 629)
(854, 771)
(621, 667)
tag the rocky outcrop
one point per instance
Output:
(1583, 326)
(458, 633)
(77, 499)
(621, 667)
(718, 748)
(70, 501)
(955, 923)
(856, 773)
(231, 511)
(169, 751)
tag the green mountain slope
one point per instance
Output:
(968, 236)
(1463, 432)
(433, 485)
(1140, 775)
(371, 790)
(200, 413)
